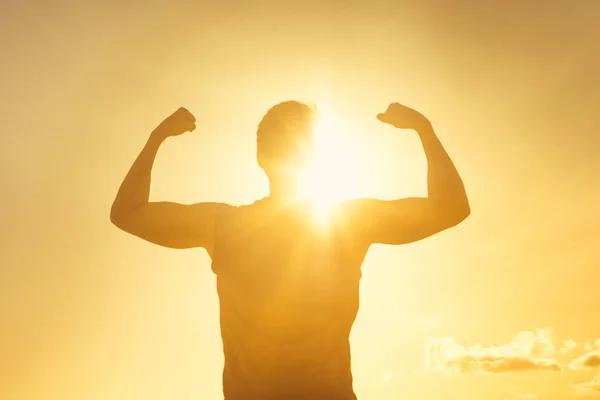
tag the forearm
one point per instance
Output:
(444, 184)
(135, 188)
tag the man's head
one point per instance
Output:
(285, 138)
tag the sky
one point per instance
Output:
(503, 306)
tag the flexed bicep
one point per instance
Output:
(398, 221)
(174, 225)
(167, 224)
(411, 219)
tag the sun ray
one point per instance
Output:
(329, 179)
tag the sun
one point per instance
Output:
(330, 178)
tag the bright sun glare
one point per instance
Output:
(329, 180)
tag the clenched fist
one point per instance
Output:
(403, 117)
(181, 121)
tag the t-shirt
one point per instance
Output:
(288, 286)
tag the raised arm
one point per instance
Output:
(411, 219)
(164, 223)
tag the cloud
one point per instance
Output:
(569, 345)
(588, 360)
(527, 351)
(591, 388)
(588, 346)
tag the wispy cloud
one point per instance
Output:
(589, 360)
(527, 351)
(589, 347)
(569, 346)
(591, 388)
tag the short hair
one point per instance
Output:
(282, 127)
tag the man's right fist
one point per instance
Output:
(403, 117)
(179, 122)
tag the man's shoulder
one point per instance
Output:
(351, 208)
(247, 208)
(231, 216)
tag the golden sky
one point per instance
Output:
(504, 306)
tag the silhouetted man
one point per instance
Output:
(288, 286)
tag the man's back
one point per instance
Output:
(288, 289)
(288, 285)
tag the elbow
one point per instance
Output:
(117, 217)
(459, 214)
(124, 218)
(465, 210)
(114, 216)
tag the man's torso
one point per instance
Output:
(288, 288)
